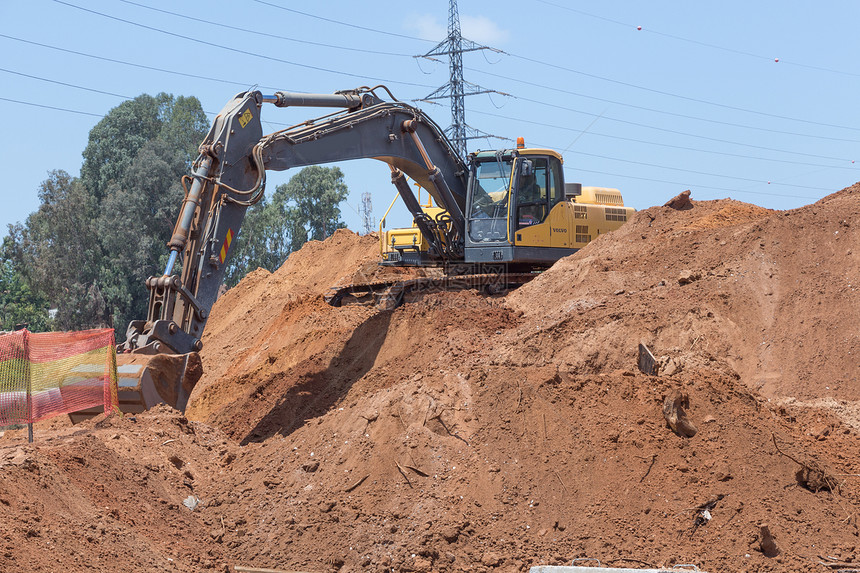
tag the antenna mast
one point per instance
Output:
(365, 211)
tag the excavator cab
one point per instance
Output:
(511, 194)
(489, 199)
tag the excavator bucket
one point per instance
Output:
(144, 380)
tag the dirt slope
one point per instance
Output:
(462, 432)
(775, 293)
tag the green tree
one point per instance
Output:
(135, 220)
(18, 303)
(310, 201)
(184, 125)
(115, 140)
(93, 241)
(59, 254)
(140, 204)
(305, 208)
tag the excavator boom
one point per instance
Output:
(229, 176)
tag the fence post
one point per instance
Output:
(28, 374)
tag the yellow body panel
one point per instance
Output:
(575, 223)
(534, 235)
(559, 226)
(529, 151)
(601, 196)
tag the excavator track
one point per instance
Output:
(391, 294)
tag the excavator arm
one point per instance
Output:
(230, 175)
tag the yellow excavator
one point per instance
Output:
(499, 217)
(531, 231)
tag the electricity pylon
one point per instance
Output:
(457, 88)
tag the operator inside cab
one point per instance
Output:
(531, 200)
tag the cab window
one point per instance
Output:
(488, 211)
(532, 192)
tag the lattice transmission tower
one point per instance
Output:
(365, 211)
(457, 88)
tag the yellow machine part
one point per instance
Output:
(574, 223)
(600, 196)
(406, 238)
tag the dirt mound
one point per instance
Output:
(772, 293)
(468, 432)
(108, 496)
(265, 313)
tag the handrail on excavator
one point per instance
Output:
(382, 221)
(387, 211)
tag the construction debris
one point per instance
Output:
(811, 475)
(674, 411)
(703, 513)
(687, 276)
(680, 202)
(647, 363)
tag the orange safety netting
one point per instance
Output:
(47, 374)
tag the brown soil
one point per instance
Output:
(464, 432)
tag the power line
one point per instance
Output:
(578, 152)
(265, 34)
(209, 113)
(605, 100)
(123, 97)
(348, 24)
(50, 107)
(654, 165)
(688, 185)
(699, 42)
(230, 82)
(64, 84)
(630, 26)
(224, 81)
(594, 76)
(685, 98)
(578, 169)
(227, 81)
(676, 132)
(658, 143)
(614, 119)
(657, 166)
(238, 51)
(484, 113)
(141, 66)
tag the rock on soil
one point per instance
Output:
(464, 432)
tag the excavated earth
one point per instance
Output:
(473, 432)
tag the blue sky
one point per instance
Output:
(695, 99)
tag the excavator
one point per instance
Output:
(500, 217)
